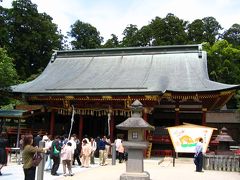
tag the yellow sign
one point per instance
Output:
(185, 137)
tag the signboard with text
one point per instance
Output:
(185, 137)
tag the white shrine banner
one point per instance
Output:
(185, 137)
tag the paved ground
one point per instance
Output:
(184, 170)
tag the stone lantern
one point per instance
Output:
(136, 126)
(224, 141)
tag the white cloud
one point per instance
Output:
(112, 16)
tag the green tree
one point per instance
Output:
(224, 63)
(232, 35)
(32, 37)
(4, 35)
(8, 75)
(130, 36)
(145, 36)
(85, 36)
(157, 26)
(169, 31)
(211, 30)
(195, 31)
(112, 42)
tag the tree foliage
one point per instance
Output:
(31, 37)
(85, 36)
(224, 64)
(196, 32)
(112, 43)
(8, 75)
(131, 38)
(232, 35)
(211, 30)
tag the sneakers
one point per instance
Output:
(70, 174)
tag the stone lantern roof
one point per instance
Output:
(136, 121)
(223, 136)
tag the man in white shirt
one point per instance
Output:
(199, 156)
(73, 146)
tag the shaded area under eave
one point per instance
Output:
(15, 114)
(21, 112)
(147, 71)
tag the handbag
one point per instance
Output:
(37, 157)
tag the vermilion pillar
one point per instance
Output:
(145, 119)
(112, 127)
(80, 127)
(52, 122)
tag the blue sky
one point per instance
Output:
(112, 16)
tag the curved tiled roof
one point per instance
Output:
(147, 70)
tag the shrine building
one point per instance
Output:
(171, 82)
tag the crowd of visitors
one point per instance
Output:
(61, 149)
(67, 151)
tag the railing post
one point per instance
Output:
(174, 157)
(204, 161)
(113, 154)
(40, 168)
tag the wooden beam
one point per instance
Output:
(215, 103)
(204, 112)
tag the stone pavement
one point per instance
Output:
(184, 170)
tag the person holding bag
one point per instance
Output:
(55, 155)
(27, 157)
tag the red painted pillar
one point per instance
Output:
(80, 127)
(204, 111)
(177, 116)
(112, 128)
(145, 119)
(52, 122)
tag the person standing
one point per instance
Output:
(27, 156)
(102, 151)
(37, 139)
(93, 145)
(3, 153)
(117, 142)
(121, 152)
(77, 152)
(199, 155)
(66, 156)
(48, 164)
(85, 153)
(55, 155)
(108, 149)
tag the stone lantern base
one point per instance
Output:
(135, 176)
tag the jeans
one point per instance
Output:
(56, 162)
(199, 162)
(29, 173)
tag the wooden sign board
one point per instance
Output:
(186, 136)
